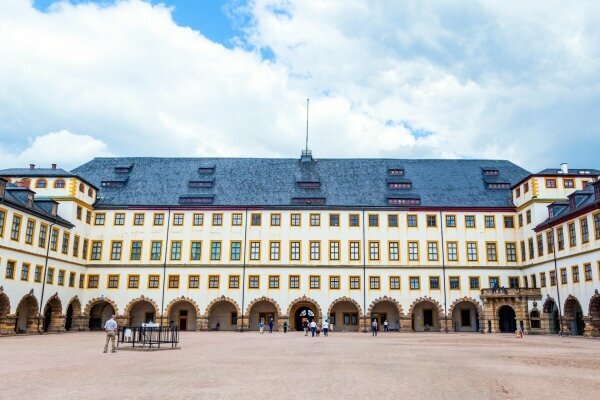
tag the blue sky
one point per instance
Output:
(386, 78)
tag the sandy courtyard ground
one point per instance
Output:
(230, 365)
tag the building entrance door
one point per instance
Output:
(301, 314)
(183, 314)
(507, 319)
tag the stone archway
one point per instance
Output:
(98, 311)
(507, 319)
(183, 312)
(345, 314)
(386, 308)
(550, 318)
(27, 312)
(7, 325)
(263, 309)
(426, 314)
(573, 319)
(74, 320)
(223, 314)
(298, 307)
(467, 315)
(54, 320)
(593, 323)
(141, 310)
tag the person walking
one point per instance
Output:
(374, 327)
(111, 333)
(305, 327)
(313, 328)
(285, 326)
(261, 326)
(386, 327)
(271, 325)
(325, 327)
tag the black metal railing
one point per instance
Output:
(151, 337)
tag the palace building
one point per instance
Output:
(221, 243)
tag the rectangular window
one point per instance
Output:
(294, 282)
(563, 276)
(295, 251)
(193, 281)
(96, 251)
(354, 220)
(551, 183)
(552, 278)
(411, 220)
(511, 252)
(93, 281)
(561, 238)
(113, 282)
(523, 253)
(215, 251)
(489, 221)
(29, 231)
(136, 250)
(156, 250)
(470, 221)
(79, 212)
(315, 219)
(572, 235)
(542, 279)
(274, 251)
(50, 276)
(569, 183)
(10, 270)
(494, 281)
(474, 282)
(334, 251)
(513, 282)
(76, 246)
(550, 241)
(2, 222)
(315, 282)
(273, 282)
(454, 283)
(295, 219)
(133, 281)
(432, 251)
(217, 219)
(236, 219)
(509, 221)
(213, 281)
(173, 281)
(531, 248)
(196, 251)
(414, 282)
(520, 217)
(42, 235)
(540, 245)
(585, 233)
(533, 278)
(81, 280)
(254, 251)
(394, 251)
(452, 251)
(587, 268)
(153, 281)
(374, 283)
(253, 282)
(355, 282)
(119, 218)
(373, 220)
(234, 282)
(255, 219)
(434, 282)
(334, 219)
(116, 250)
(65, 243)
(392, 221)
(138, 219)
(472, 251)
(334, 282)
(528, 216)
(72, 279)
(491, 251)
(178, 221)
(450, 221)
(275, 219)
(431, 221)
(159, 219)
(198, 219)
(88, 216)
(176, 250)
(16, 228)
(373, 251)
(394, 282)
(99, 218)
(354, 251)
(315, 250)
(413, 251)
(575, 273)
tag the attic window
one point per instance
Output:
(59, 183)
(30, 200)
(399, 185)
(201, 184)
(206, 169)
(195, 199)
(491, 172)
(396, 171)
(113, 184)
(308, 201)
(393, 201)
(550, 212)
(2, 188)
(309, 185)
(54, 209)
(498, 185)
(123, 169)
(596, 190)
(572, 202)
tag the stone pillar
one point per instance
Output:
(202, 323)
(446, 325)
(57, 323)
(7, 324)
(591, 327)
(80, 323)
(121, 320)
(364, 324)
(279, 324)
(406, 324)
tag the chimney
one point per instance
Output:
(564, 167)
(31, 166)
(53, 166)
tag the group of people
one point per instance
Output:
(314, 329)
(375, 326)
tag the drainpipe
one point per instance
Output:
(444, 273)
(244, 266)
(364, 246)
(49, 238)
(164, 284)
(560, 316)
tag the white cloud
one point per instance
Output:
(385, 78)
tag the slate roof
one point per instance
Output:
(583, 200)
(267, 182)
(41, 173)
(572, 171)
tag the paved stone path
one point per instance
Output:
(228, 365)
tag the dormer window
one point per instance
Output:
(394, 201)
(90, 192)
(490, 172)
(206, 169)
(596, 190)
(518, 192)
(54, 209)
(123, 169)
(572, 203)
(551, 212)
(308, 201)
(41, 184)
(498, 186)
(113, 184)
(309, 185)
(30, 200)
(195, 199)
(201, 184)
(399, 185)
(2, 188)
(82, 188)
(59, 184)
(396, 171)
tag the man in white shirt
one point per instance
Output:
(325, 327)
(111, 333)
(313, 328)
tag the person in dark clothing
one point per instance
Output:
(271, 325)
